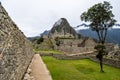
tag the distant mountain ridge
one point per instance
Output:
(86, 25)
(46, 32)
(112, 36)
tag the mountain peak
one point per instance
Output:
(60, 21)
(62, 28)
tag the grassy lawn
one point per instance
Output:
(84, 69)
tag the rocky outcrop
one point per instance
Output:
(62, 29)
(15, 50)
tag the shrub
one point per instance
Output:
(41, 39)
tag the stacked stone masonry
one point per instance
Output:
(15, 50)
(75, 46)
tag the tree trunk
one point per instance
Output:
(99, 36)
(101, 59)
(101, 64)
(105, 36)
(101, 40)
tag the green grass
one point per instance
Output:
(84, 69)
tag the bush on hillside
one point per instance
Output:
(39, 40)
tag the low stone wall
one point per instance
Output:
(110, 62)
(15, 50)
(83, 56)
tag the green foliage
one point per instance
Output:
(101, 18)
(39, 40)
(99, 47)
(79, 70)
(45, 45)
(57, 41)
(100, 15)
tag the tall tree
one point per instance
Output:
(101, 18)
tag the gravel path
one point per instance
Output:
(38, 69)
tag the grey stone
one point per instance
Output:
(13, 43)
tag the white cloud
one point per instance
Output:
(35, 16)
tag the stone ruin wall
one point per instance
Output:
(15, 50)
(75, 46)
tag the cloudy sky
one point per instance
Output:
(35, 16)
